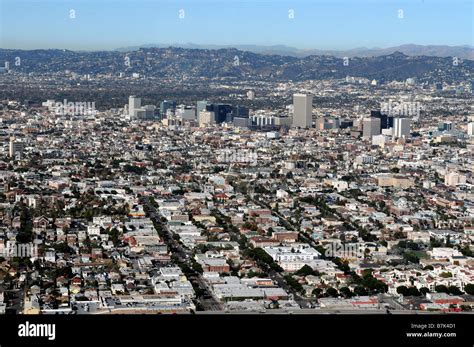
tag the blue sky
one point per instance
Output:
(323, 24)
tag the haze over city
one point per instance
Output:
(319, 24)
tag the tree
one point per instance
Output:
(441, 289)
(411, 257)
(306, 270)
(469, 288)
(424, 290)
(360, 291)
(332, 292)
(413, 291)
(342, 265)
(402, 290)
(293, 283)
(197, 267)
(454, 290)
(346, 292)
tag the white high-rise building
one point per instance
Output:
(470, 129)
(401, 127)
(302, 110)
(138, 112)
(134, 103)
(15, 147)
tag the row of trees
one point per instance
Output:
(453, 290)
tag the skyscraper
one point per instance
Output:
(15, 147)
(223, 112)
(201, 106)
(470, 129)
(207, 118)
(165, 106)
(371, 127)
(134, 103)
(240, 111)
(382, 116)
(302, 110)
(401, 127)
(138, 112)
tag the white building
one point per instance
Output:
(454, 179)
(137, 111)
(401, 127)
(133, 104)
(470, 129)
(293, 258)
(270, 120)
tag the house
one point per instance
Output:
(40, 223)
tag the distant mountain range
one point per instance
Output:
(463, 52)
(189, 64)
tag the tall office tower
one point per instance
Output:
(207, 118)
(382, 116)
(390, 122)
(371, 127)
(201, 106)
(147, 112)
(401, 127)
(222, 112)
(134, 103)
(165, 106)
(470, 129)
(186, 112)
(302, 110)
(15, 147)
(240, 111)
(240, 116)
